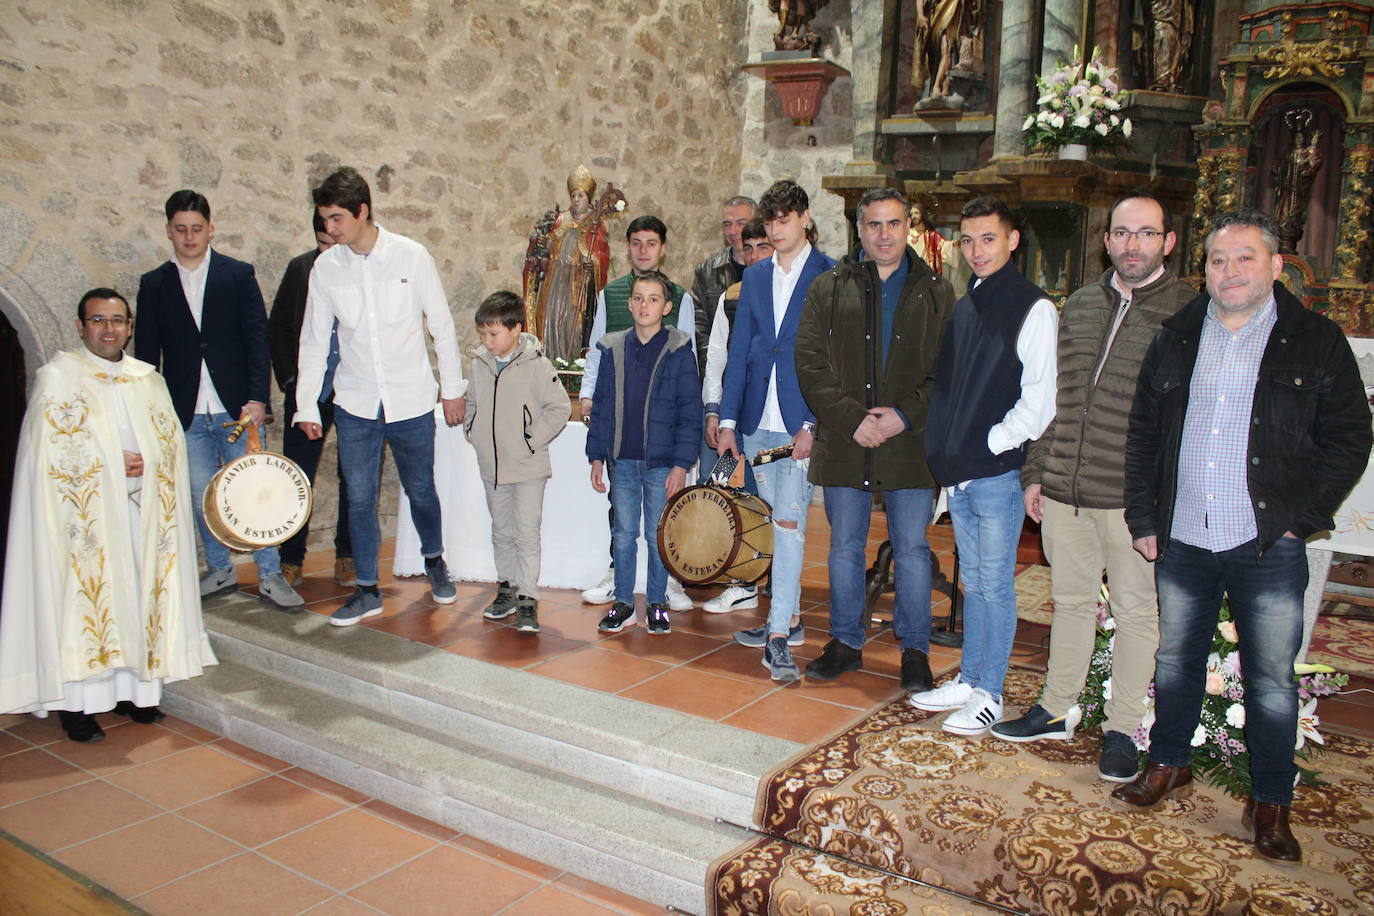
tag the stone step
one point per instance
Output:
(690, 763)
(617, 791)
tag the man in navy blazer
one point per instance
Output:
(201, 321)
(762, 401)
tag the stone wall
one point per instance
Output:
(465, 116)
(775, 148)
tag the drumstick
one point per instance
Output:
(236, 429)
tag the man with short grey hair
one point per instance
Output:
(1249, 427)
(866, 350)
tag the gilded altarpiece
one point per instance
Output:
(1303, 64)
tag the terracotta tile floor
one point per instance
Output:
(179, 820)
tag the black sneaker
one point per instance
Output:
(916, 674)
(504, 604)
(836, 659)
(1038, 725)
(620, 616)
(1120, 759)
(526, 614)
(658, 619)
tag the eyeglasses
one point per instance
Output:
(1145, 235)
(114, 321)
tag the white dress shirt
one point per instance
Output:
(717, 351)
(193, 285)
(382, 301)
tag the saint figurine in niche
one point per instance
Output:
(566, 265)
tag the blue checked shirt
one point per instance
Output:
(1212, 509)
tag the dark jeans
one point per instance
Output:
(1266, 602)
(306, 452)
(360, 453)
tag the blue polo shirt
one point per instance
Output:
(639, 370)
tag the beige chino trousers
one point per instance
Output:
(1080, 544)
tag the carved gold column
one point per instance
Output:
(1353, 228)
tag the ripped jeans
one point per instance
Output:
(783, 485)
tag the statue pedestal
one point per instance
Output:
(1162, 125)
(801, 83)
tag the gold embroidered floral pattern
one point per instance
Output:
(75, 468)
(166, 428)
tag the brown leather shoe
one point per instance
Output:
(1268, 824)
(292, 574)
(345, 573)
(1154, 785)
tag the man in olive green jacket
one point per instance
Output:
(866, 349)
(1074, 482)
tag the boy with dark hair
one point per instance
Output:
(994, 393)
(762, 401)
(645, 424)
(647, 242)
(510, 426)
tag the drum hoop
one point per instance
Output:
(241, 545)
(733, 559)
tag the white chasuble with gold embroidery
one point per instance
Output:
(101, 600)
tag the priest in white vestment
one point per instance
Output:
(101, 605)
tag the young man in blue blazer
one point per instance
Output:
(762, 402)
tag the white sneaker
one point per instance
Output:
(949, 695)
(678, 600)
(603, 592)
(734, 598)
(976, 716)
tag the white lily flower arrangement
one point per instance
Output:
(1078, 109)
(1219, 750)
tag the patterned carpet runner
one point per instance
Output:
(1028, 827)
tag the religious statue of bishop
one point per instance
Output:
(566, 265)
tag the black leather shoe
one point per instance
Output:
(1154, 785)
(836, 659)
(80, 726)
(1268, 826)
(143, 715)
(916, 671)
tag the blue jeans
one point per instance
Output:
(987, 516)
(360, 454)
(637, 490)
(908, 515)
(783, 485)
(208, 449)
(1266, 602)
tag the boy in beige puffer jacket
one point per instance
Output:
(515, 408)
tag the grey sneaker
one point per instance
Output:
(527, 615)
(504, 605)
(440, 585)
(758, 636)
(276, 591)
(777, 658)
(218, 582)
(360, 607)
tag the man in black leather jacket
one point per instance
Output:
(1249, 427)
